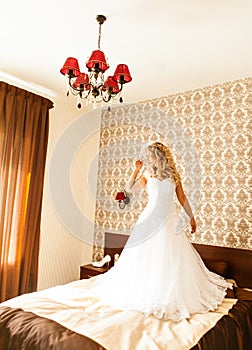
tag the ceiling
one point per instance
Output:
(169, 46)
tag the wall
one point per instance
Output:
(208, 132)
(67, 216)
(213, 120)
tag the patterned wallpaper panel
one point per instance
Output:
(209, 133)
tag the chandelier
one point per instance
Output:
(93, 86)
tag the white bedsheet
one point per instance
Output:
(73, 306)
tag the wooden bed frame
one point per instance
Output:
(239, 261)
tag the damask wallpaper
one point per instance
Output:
(209, 133)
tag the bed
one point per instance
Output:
(69, 317)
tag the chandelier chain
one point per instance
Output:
(99, 38)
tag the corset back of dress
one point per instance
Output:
(159, 209)
(161, 196)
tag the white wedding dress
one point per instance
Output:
(159, 272)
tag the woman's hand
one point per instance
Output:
(193, 225)
(136, 182)
(138, 165)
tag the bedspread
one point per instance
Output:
(79, 316)
(38, 333)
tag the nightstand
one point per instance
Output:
(114, 244)
(87, 271)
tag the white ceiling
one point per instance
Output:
(169, 46)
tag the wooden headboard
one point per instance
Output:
(239, 261)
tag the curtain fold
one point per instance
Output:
(24, 124)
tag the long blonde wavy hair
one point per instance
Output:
(160, 162)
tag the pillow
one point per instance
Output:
(218, 266)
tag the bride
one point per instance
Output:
(159, 272)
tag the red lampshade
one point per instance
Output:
(97, 61)
(120, 196)
(111, 86)
(71, 67)
(122, 74)
(81, 81)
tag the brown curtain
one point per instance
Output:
(24, 122)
